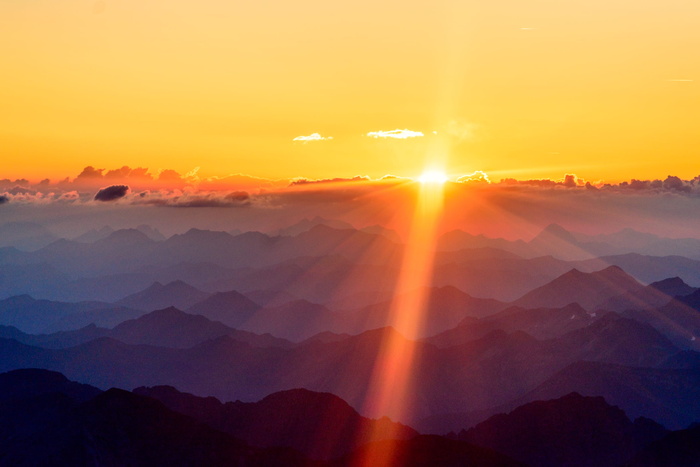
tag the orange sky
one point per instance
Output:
(604, 89)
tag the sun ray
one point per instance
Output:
(390, 390)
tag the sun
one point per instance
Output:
(433, 177)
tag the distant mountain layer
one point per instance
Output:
(168, 327)
(557, 241)
(45, 316)
(477, 374)
(590, 290)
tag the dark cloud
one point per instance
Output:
(112, 193)
(4, 199)
(675, 183)
(20, 190)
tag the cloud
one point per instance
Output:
(90, 172)
(572, 181)
(305, 181)
(396, 134)
(111, 193)
(128, 172)
(197, 199)
(169, 175)
(4, 199)
(476, 177)
(312, 137)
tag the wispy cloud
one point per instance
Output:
(312, 137)
(681, 80)
(476, 177)
(396, 134)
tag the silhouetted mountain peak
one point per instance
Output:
(151, 232)
(179, 284)
(573, 274)
(612, 271)
(32, 382)
(673, 287)
(158, 296)
(558, 231)
(19, 300)
(574, 308)
(169, 312)
(231, 308)
(125, 236)
(560, 432)
(202, 234)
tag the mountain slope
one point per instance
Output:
(573, 430)
(177, 293)
(320, 425)
(590, 290)
(230, 308)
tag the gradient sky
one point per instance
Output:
(604, 89)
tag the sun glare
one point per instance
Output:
(433, 177)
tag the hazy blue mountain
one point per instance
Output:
(677, 320)
(171, 327)
(45, 316)
(479, 374)
(296, 320)
(270, 297)
(56, 340)
(177, 294)
(542, 323)
(168, 327)
(307, 224)
(654, 295)
(445, 307)
(231, 308)
(669, 396)
(590, 290)
(26, 236)
(646, 268)
(40, 280)
(94, 235)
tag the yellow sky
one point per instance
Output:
(605, 89)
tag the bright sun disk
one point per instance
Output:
(433, 176)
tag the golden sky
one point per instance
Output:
(606, 89)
